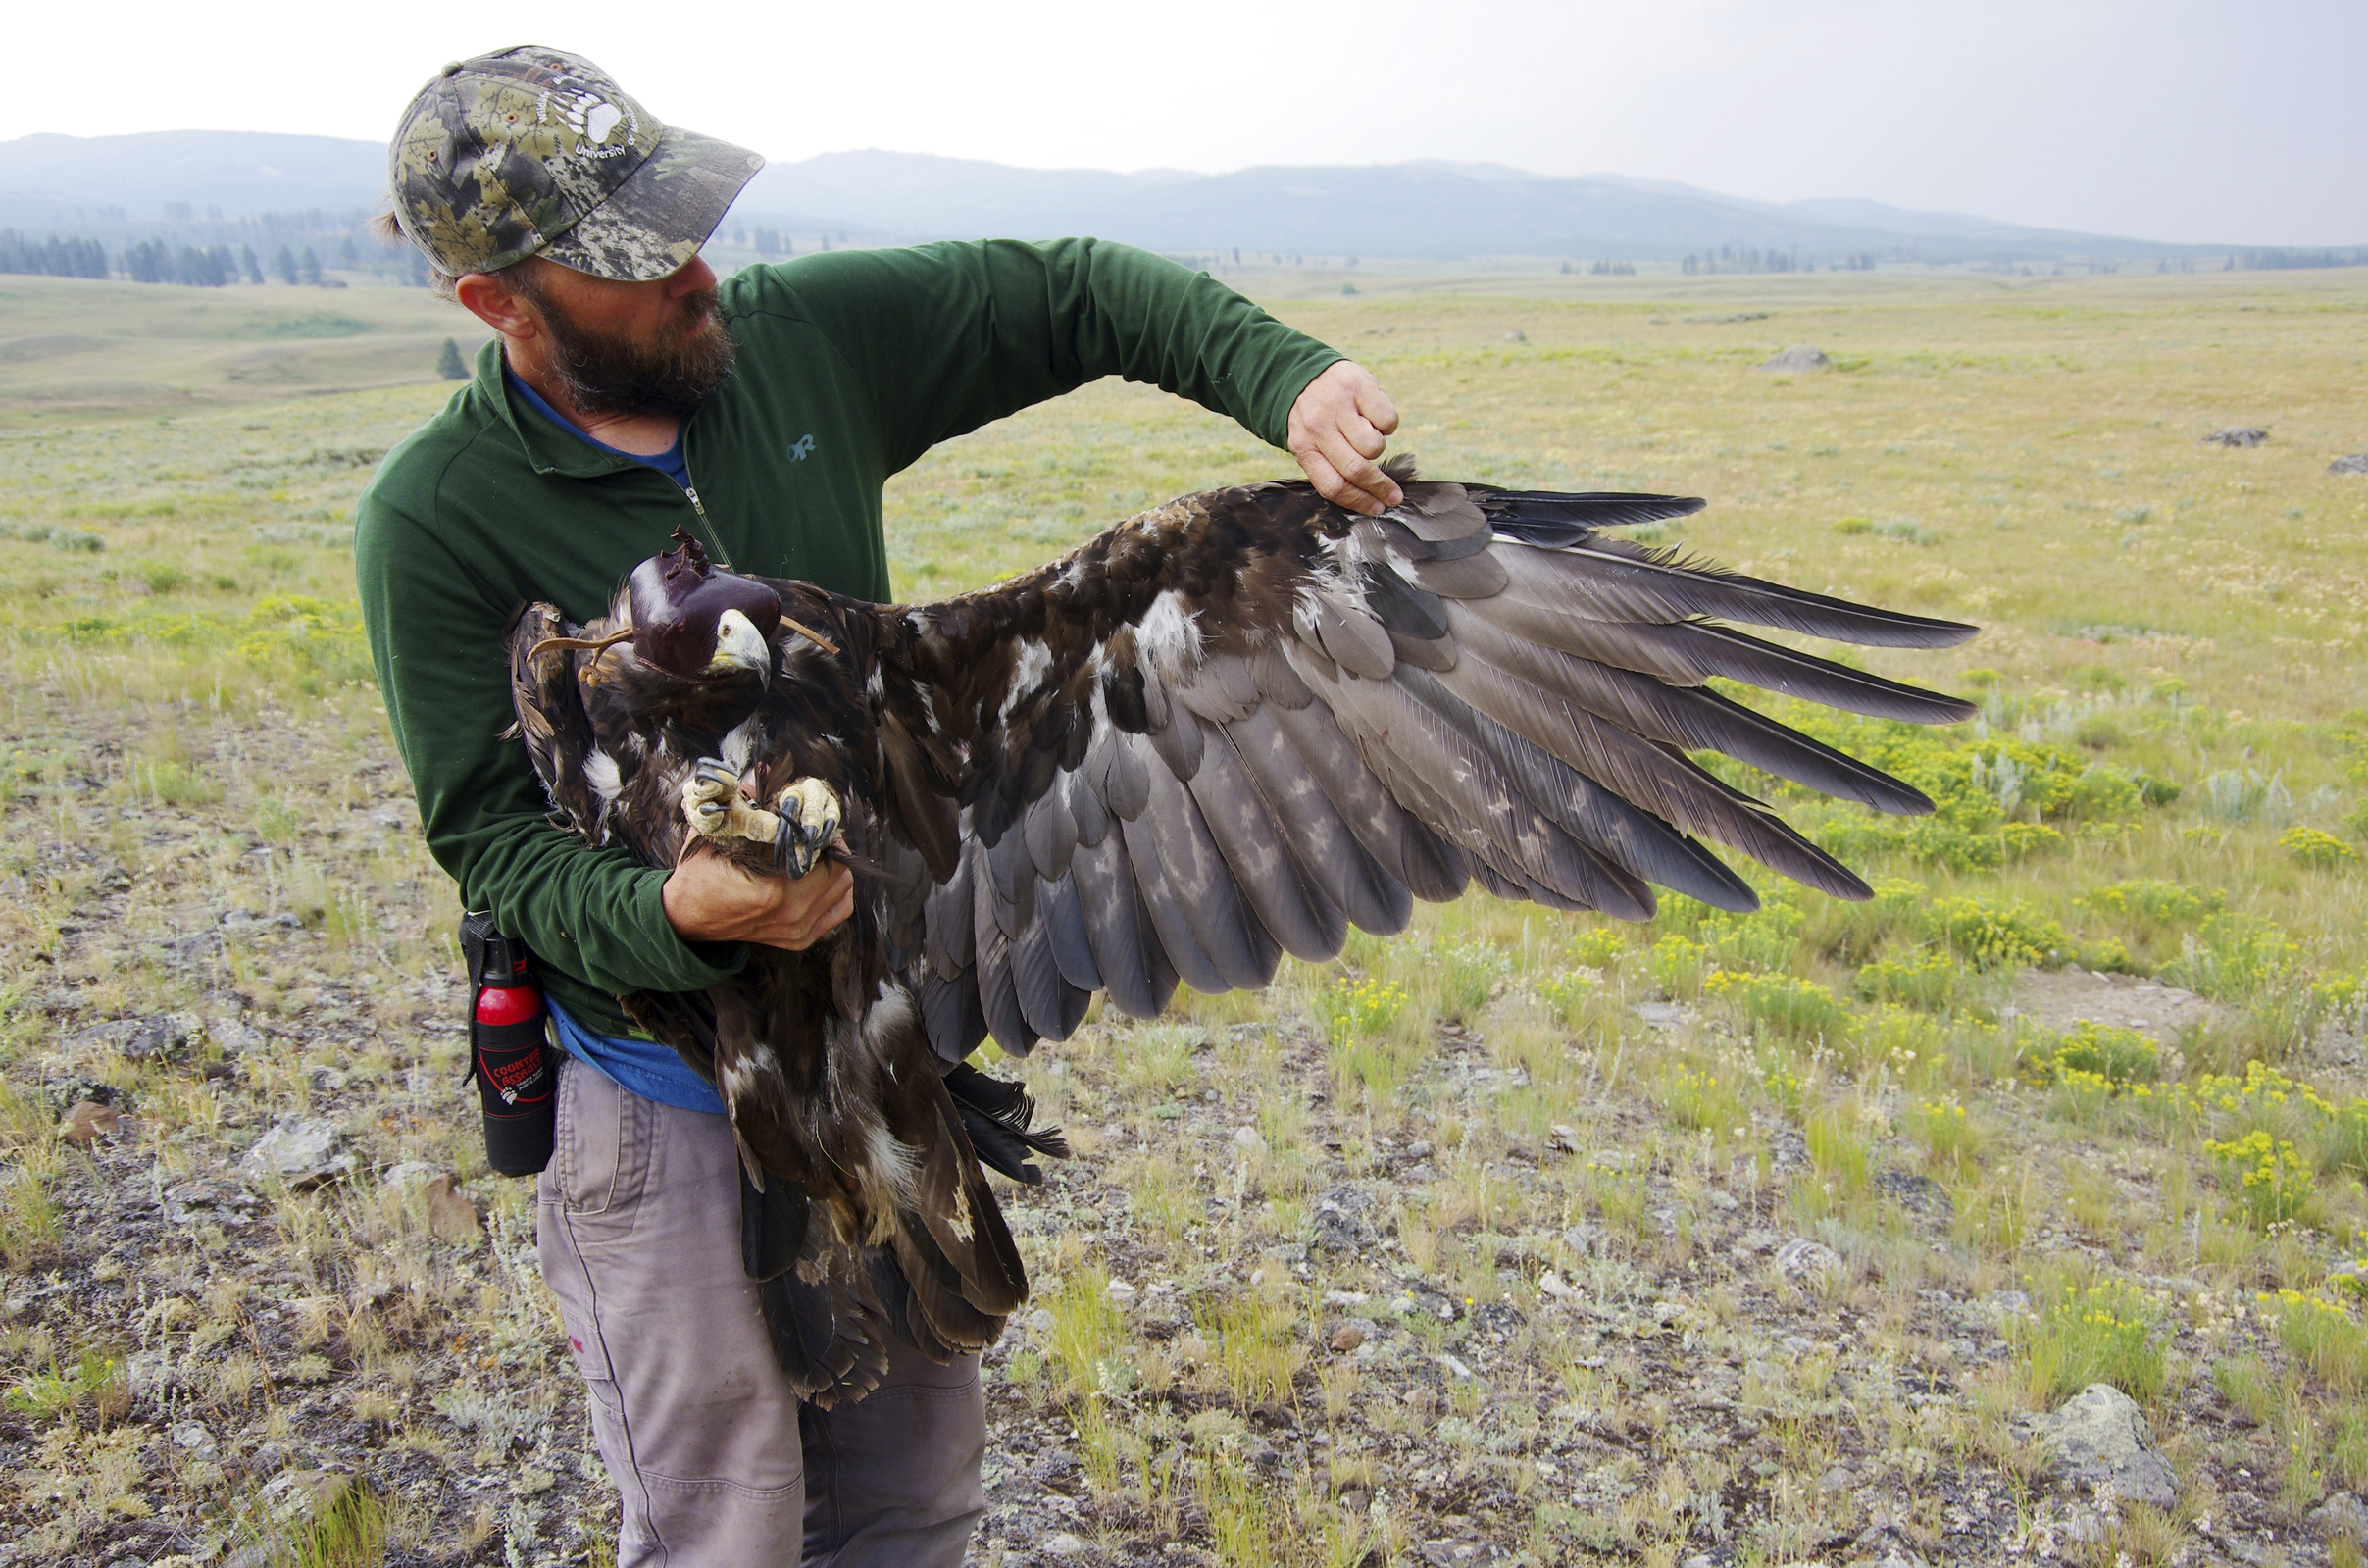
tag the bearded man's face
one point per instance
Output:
(671, 369)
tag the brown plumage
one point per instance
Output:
(1223, 730)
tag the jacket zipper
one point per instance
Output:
(714, 544)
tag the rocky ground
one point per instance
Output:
(1279, 1321)
(1536, 1302)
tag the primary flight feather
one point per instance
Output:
(1225, 729)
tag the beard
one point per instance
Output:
(606, 373)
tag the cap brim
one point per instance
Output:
(656, 220)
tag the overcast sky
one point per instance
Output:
(2174, 119)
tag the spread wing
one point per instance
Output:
(1237, 725)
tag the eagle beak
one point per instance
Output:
(740, 646)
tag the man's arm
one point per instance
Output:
(950, 336)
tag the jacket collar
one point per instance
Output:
(548, 450)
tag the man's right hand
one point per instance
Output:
(709, 899)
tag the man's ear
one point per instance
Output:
(486, 296)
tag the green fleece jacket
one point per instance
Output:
(851, 366)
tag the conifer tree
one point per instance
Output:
(312, 266)
(449, 364)
(284, 264)
(248, 265)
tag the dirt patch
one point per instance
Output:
(2061, 998)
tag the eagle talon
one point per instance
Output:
(810, 817)
(714, 807)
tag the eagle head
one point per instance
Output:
(697, 623)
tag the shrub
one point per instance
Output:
(2235, 958)
(2120, 1056)
(2149, 906)
(2099, 1334)
(2323, 1336)
(2267, 1179)
(1703, 1101)
(1467, 974)
(1564, 992)
(1993, 937)
(2309, 846)
(1675, 965)
(1929, 979)
(1350, 1009)
(1789, 1008)
(2242, 794)
(1598, 946)
(1903, 531)
(1898, 1039)
(1948, 1136)
(2019, 840)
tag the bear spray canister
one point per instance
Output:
(509, 1055)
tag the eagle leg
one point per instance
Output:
(804, 822)
(809, 815)
(714, 807)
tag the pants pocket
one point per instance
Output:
(600, 1147)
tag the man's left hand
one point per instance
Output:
(1338, 427)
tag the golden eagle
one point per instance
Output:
(1225, 729)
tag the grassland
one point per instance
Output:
(1493, 1241)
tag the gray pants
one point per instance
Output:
(715, 1463)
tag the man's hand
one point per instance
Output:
(1339, 426)
(709, 899)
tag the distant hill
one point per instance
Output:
(1405, 210)
(123, 188)
(236, 174)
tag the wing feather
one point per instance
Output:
(1241, 723)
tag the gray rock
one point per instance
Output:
(2237, 435)
(2357, 463)
(295, 1498)
(1342, 1226)
(2342, 1515)
(1064, 1545)
(139, 1038)
(2101, 1439)
(1883, 1547)
(1920, 1196)
(301, 1151)
(1801, 357)
(1801, 1257)
(406, 1176)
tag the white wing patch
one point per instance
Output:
(1167, 639)
(1033, 666)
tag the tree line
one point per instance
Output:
(154, 261)
(57, 258)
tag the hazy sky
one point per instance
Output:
(2167, 120)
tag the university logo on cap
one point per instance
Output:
(534, 152)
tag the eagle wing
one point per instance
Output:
(1237, 725)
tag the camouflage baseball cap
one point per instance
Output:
(533, 152)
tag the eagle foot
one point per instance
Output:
(809, 814)
(803, 823)
(715, 808)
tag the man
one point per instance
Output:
(628, 392)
